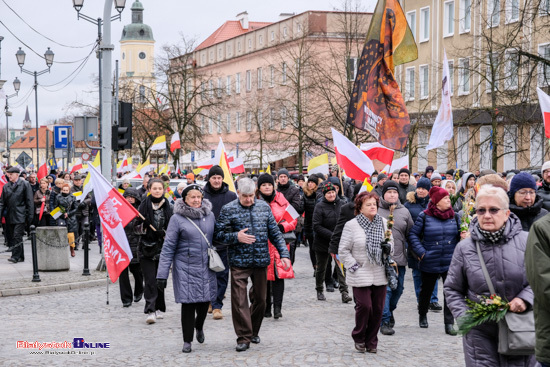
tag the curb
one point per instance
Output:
(51, 288)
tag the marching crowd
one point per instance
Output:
(480, 232)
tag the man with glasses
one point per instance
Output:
(544, 190)
(524, 201)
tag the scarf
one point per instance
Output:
(493, 237)
(268, 198)
(374, 231)
(433, 211)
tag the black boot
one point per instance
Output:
(267, 313)
(277, 312)
(423, 321)
(450, 330)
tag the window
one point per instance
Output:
(250, 44)
(451, 76)
(493, 13)
(485, 147)
(463, 76)
(228, 86)
(299, 27)
(492, 62)
(271, 119)
(449, 18)
(220, 53)
(422, 153)
(465, 15)
(238, 122)
(511, 68)
(261, 40)
(228, 123)
(239, 46)
(260, 118)
(510, 137)
(202, 124)
(283, 118)
(537, 145)
(228, 50)
(211, 88)
(351, 68)
(544, 69)
(219, 124)
(283, 79)
(248, 80)
(272, 36)
(424, 24)
(141, 94)
(210, 125)
(462, 144)
(271, 76)
(411, 19)
(189, 89)
(220, 88)
(544, 7)
(409, 84)
(284, 32)
(249, 121)
(512, 11)
(238, 83)
(424, 81)
(260, 79)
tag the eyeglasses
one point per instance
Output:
(526, 192)
(492, 211)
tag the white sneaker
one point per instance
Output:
(151, 318)
(160, 315)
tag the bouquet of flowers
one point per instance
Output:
(490, 309)
(469, 204)
(389, 265)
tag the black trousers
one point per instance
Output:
(154, 297)
(14, 234)
(192, 317)
(309, 239)
(428, 284)
(126, 286)
(275, 292)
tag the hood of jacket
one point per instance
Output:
(384, 204)
(465, 178)
(530, 211)
(194, 213)
(513, 227)
(413, 198)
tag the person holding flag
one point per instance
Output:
(156, 213)
(42, 204)
(67, 203)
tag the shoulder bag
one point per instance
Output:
(516, 331)
(215, 262)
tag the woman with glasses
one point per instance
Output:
(502, 242)
(524, 201)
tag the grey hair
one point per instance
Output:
(496, 192)
(247, 186)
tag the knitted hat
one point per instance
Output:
(429, 169)
(485, 172)
(435, 176)
(382, 176)
(389, 185)
(215, 171)
(450, 172)
(328, 187)
(189, 188)
(522, 180)
(301, 178)
(437, 193)
(404, 170)
(265, 178)
(545, 166)
(191, 175)
(314, 178)
(424, 183)
(283, 171)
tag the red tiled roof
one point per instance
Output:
(25, 142)
(230, 29)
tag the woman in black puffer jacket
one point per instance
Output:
(325, 217)
(310, 196)
(67, 203)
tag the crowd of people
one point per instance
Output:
(439, 225)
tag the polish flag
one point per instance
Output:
(378, 151)
(123, 165)
(290, 213)
(132, 175)
(236, 165)
(77, 165)
(399, 163)
(114, 213)
(42, 171)
(544, 100)
(350, 158)
(175, 142)
(207, 163)
(3, 181)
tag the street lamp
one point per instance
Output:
(48, 56)
(17, 87)
(105, 69)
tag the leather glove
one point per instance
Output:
(386, 248)
(281, 228)
(161, 283)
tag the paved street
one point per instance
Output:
(311, 333)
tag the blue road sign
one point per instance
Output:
(192, 156)
(213, 153)
(63, 137)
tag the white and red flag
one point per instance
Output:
(378, 151)
(351, 159)
(544, 100)
(3, 181)
(290, 213)
(236, 165)
(124, 165)
(114, 213)
(77, 166)
(175, 142)
(42, 171)
(399, 163)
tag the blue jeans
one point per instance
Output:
(222, 277)
(418, 283)
(392, 297)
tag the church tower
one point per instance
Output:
(27, 121)
(137, 47)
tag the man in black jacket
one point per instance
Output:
(17, 199)
(404, 186)
(217, 192)
(290, 191)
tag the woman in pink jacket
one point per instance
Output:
(275, 272)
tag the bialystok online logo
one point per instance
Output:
(77, 343)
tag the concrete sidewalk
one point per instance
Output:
(16, 279)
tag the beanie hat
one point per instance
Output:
(328, 187)
(382, 176)
(334, 180)
(450, 172)
(485, 172)
(265, 178)
(437, 193)
(429, 169)
(522, 180)
(404, 170)
(424, 183)
(189, 188)
(545, 166)
(283, 171)
(215, 171)
(435, 176)
(301, 178)
(314, 178)
(389, 185)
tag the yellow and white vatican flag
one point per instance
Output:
(318, 164)
(159, 143)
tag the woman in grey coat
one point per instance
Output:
(502, 242)
(185, 247)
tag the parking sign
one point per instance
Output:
(62, 137)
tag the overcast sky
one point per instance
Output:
(56, 26)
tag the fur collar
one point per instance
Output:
(194, 213)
